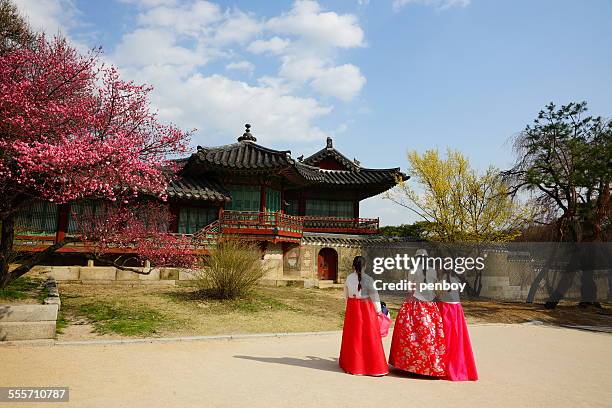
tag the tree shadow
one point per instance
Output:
(316, 363)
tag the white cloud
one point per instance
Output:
(188, 19)
(216, 103)
(150, 3)
(51, 16)
(307, 20)
(145, 47)
(301, 68)
(438, 4)
(243, 65)
(173, 41)
(274, 45)
(238, 27)
(343, 82)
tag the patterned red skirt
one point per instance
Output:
(362, 351)
(460, 364)
(418, 339)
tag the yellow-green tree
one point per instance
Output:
(458, 203)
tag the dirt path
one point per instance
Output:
(520, 365)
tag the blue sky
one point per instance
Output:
(379, 76)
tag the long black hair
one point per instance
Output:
(358, 264)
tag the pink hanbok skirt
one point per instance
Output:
(460, 364)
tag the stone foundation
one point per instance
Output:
(31, 322)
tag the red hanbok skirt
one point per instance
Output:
(418, 339)
(460, 364)
(362, 351)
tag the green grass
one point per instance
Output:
(24, 288)
(254, 302)
(61, 323)
(258, 303)
(127, 320)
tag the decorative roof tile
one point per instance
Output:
(196, 188)
(330, 152)
(243, 155)
(349, 240)
(347, 177)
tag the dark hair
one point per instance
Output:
(358, 264)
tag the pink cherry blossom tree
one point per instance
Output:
(71, 129)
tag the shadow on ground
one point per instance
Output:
(316, 363)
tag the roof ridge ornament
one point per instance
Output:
(247, 136)
(330, 143)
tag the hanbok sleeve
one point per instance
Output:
(373, 294)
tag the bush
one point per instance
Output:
(231, 270)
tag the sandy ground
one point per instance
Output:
(519, 365)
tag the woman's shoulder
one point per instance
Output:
(366, 276)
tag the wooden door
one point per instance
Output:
(327, 264)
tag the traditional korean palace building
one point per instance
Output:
(304, 211)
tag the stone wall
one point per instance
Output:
(511, 279)
(273, 261)
(107, 275)
(301, 261)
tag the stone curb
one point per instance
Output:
(53, 290)
(194, 338)
(162, 340)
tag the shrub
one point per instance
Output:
(231, 270)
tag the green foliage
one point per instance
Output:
(61, 323)
(14, 30)
(417, 230)
(231, 270)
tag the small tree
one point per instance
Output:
(564, 161)
(14, 30)
(231, 269)
(139, 227)
(458, 204)
(71, 129)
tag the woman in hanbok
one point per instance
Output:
(460, 364)
(362, 351)
(418, 337)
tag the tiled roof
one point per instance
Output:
(247, 155)
(330, 152)
(197, 189)
(317, 238)
(243, 155)
(346, 177)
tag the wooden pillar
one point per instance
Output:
(63, 212)
(301, 205)
(262, 199)
(356, 209)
